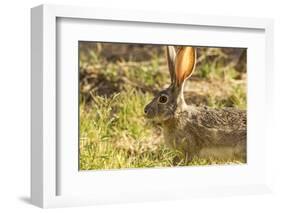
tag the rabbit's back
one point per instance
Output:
(227, 126)
(226, 119)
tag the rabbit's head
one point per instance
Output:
(181, 62)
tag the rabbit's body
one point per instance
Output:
(196, 131)
(208, 133)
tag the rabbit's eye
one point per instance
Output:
(163, 99)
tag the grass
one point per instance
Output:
(114, 134)
(113, 131)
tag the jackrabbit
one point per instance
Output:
(196, 131)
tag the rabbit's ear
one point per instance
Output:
(184, 63)
(171, 55)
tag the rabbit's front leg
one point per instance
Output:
(189, 148)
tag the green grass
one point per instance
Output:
(114, 134)
(113, 130)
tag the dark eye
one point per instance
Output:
(163, 99)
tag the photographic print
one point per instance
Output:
(150, 105)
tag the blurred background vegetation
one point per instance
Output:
(118, 80)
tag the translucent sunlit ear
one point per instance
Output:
(184, 63)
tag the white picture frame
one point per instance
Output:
(52, 181)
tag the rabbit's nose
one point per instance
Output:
(146, 110)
